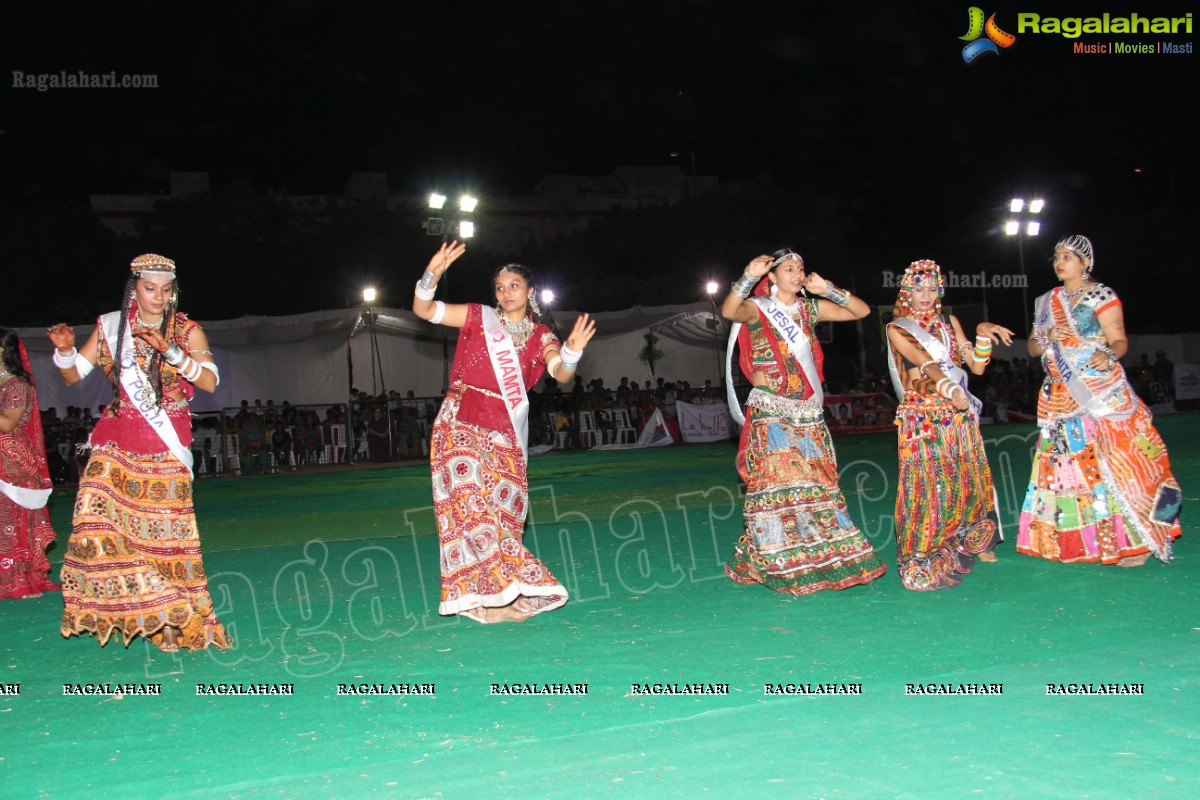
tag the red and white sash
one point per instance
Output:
(506, 363)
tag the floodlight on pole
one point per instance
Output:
(547, 296)
(369, 295)
(711, 288)
(466, 229)
(467, 203)
(1021, 227)
(437, 200)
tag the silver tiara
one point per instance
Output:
(1080, 246)
(786, 257)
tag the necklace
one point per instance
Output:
(1072, 295)
(143, 324)
(790, 309)
(519, 331)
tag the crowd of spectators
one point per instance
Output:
(258, 438)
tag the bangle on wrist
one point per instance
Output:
(570, 358)
(428, 280)
(65, 360)
(836, 295)
(423, 293)
(174, 355)
(744, 285)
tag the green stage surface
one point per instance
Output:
(330, 578)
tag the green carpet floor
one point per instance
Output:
(332, 577)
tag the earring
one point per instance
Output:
(533, 304)
(774, 290)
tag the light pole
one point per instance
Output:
(458, 223)
(1023, 222)
(369, 295)
(443, 225)
(714, 322)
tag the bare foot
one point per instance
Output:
(170, 640)
(987, 555)
(1134, 561)
(504, 614)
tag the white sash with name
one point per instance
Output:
(506, 363)
(799, 346)
(1080, 392)
(939, 352)
(32, 499)
(137, 386)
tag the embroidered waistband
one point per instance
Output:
(802, 412)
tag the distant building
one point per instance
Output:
(559, 205)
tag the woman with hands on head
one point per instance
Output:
(946, 514)
(477, 448)
(798, 537)
(133, 563)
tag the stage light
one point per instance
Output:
(1036, 206)
(466, 229)
(1016, 205)
(1032, 228)
(547, 296)
(1012, 227)
(711, 287)
(467, 203)
(369, 295)
(437, 200)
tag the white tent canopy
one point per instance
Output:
(303, 359)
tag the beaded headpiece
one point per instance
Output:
(1080, 246)
(918, 272)
(161, 266)
(787, 255)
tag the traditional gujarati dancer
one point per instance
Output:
(946, 514)
(798, 536)
(1101, 487)
(133, 563)
(25, 485)
(478, 452)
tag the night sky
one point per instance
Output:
(863, 107)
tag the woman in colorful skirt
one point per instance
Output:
(1101, 488)
(798, 536)
(133, 561)
(25, 485)
(945, 500)
(478, 448)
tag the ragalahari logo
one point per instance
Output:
(976, 27)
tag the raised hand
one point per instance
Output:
(61, 335)
(446, 255)
(815, 284)
(993, 331)
(759, 266)
(582, 333)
